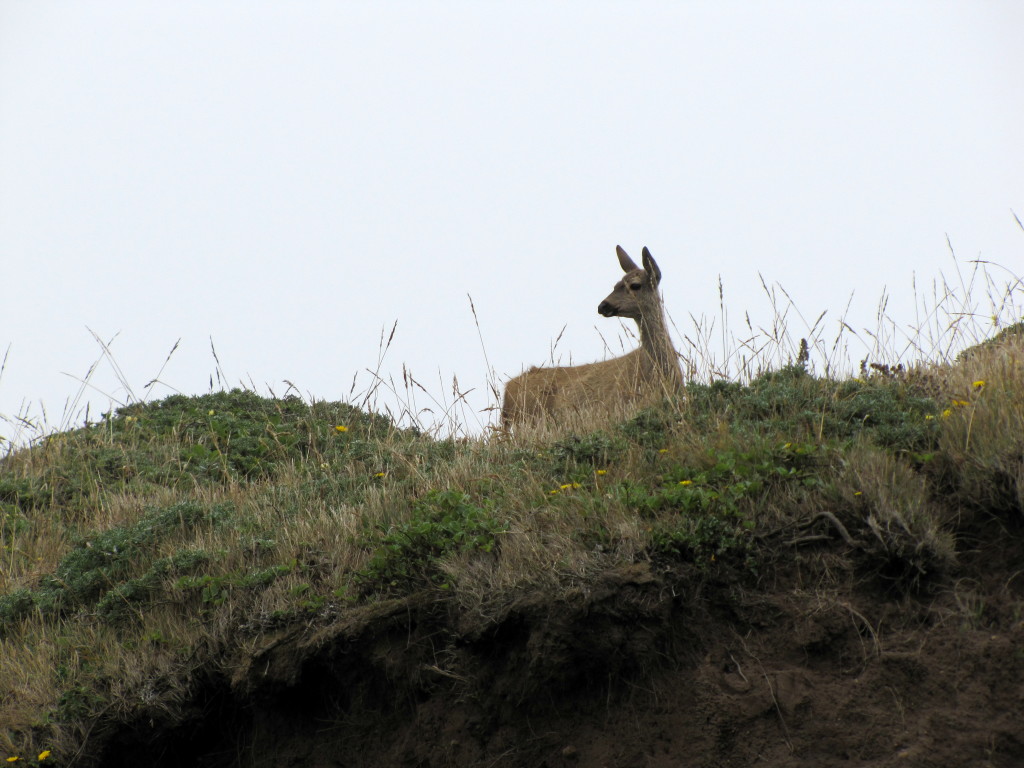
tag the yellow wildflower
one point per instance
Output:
(959, 403)
(44, 754)
(601, 472)
(13, 759)
(686, 482)
(381, 474)
(211, 412)
(341, 428)
(857, 493)
(663, 450)
(979, 384)
(947, 413)
(553, 491)
(928, 417)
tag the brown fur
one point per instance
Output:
(648, 373)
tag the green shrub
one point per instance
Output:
(700, 539)
(106, 561)
(598, 449)
(409, 553)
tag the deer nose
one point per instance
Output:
(605, 308)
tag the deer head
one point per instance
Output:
(636, 294)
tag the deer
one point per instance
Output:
(646, 374)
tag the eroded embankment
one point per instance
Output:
(629, 671)
(795, 572)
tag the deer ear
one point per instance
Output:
(651, 266)
(624, 260)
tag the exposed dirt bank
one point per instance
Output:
(633, 672)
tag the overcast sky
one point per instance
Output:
(292, 178)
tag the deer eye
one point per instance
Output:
(635, 286)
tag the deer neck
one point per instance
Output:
(656, 344)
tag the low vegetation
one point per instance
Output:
(151, 551)
(136, 549)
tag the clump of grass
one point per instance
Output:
(907, 538)
(982, 440)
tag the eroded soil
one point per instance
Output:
(633, 670)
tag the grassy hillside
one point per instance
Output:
(152, 553)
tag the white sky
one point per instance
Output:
(290, 178)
